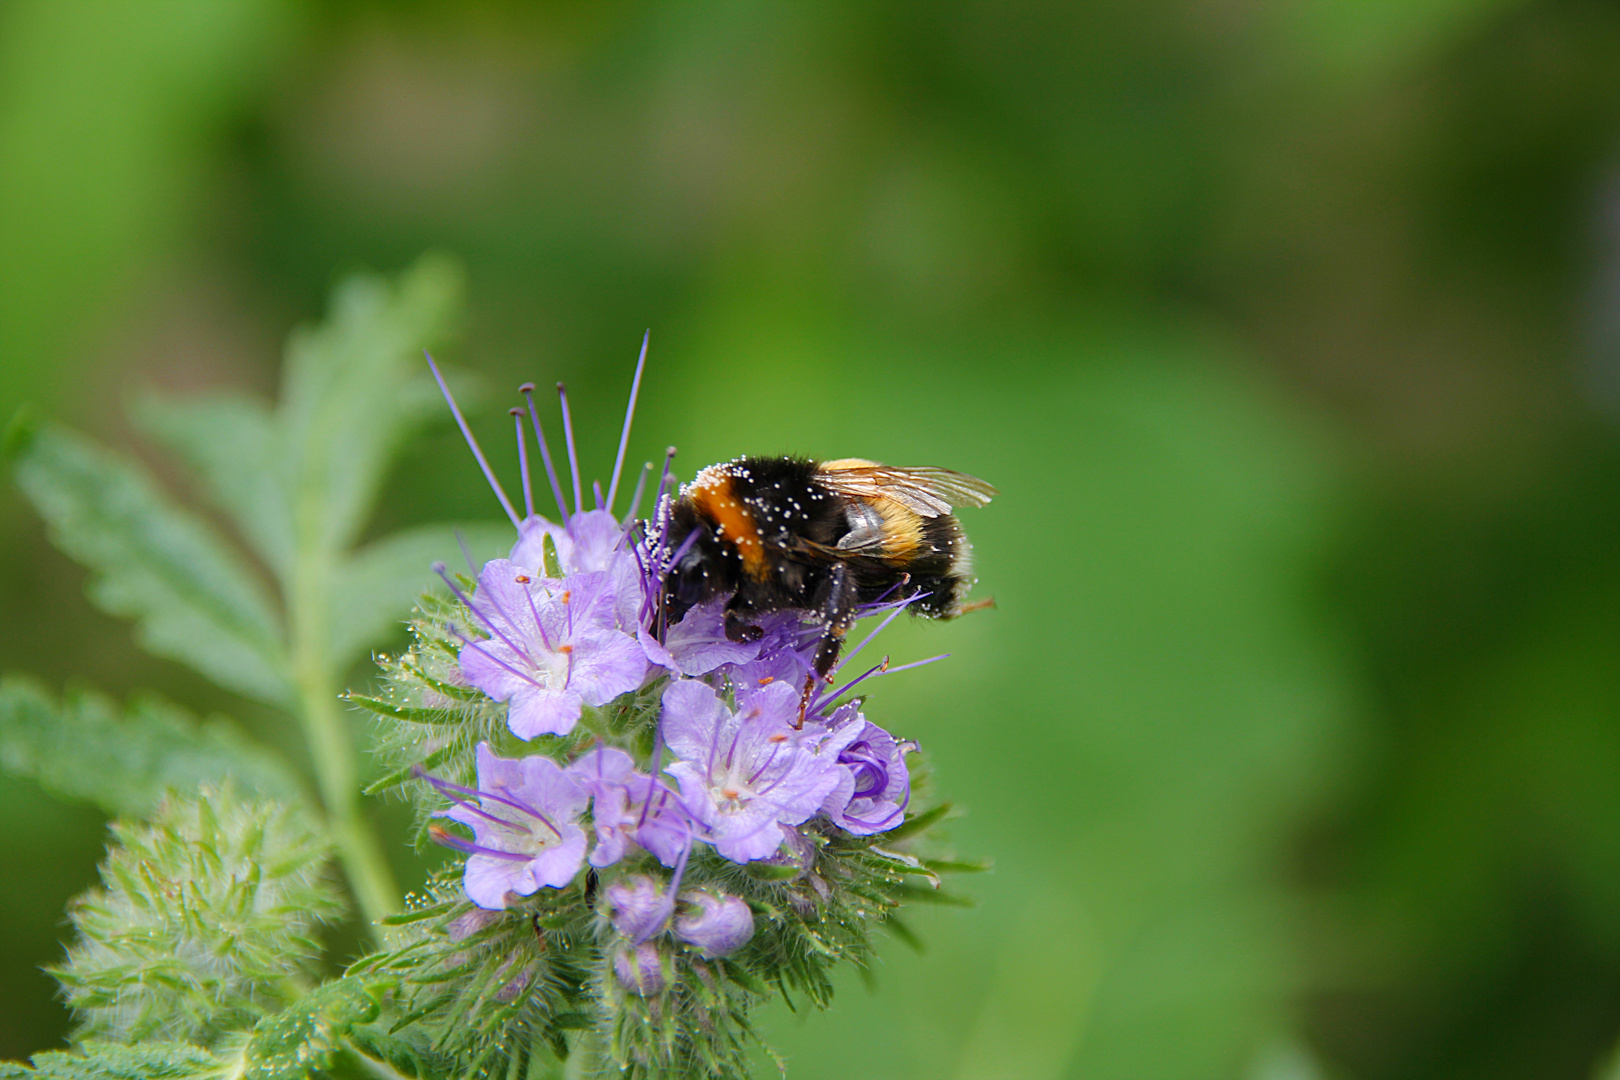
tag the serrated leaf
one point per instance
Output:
(192, 598)
(123, 760)
(353, 389)
(233, 444)
(373, 588)
(110, 1061)
(302, 1038)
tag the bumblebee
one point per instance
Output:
(778, 533)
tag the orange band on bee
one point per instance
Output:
(713, 497)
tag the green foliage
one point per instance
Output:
(306, 1036)
(112, 1061)
(193, 598)
(124, 760)
(297, 482)
(205, 921)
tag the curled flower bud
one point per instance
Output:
(872, 795)
(640, 969)
(717, 925)
(637, 908)
(465, 926)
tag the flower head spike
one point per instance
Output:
(708, 644)
(744, 774)
(525, 820)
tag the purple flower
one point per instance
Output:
(525, 827)
(717, 925)
(875, 787)
(630, 806)
(587, 543)
(698, 644)
(743, 774)
(554, 646)
(638, 908)
(640, 969)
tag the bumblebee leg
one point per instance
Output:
(835, 603)
(739, 629)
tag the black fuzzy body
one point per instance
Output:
(798, 523)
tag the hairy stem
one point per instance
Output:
(588, 1057)
(370, 878)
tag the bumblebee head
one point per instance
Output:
(697, 570)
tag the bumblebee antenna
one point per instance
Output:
(466, 433)
(629, 414)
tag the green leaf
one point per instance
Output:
(353, 388)
(302, 1039)
(192, 598)
(123, 760)
(373, 588)
(551, 564)
(917, 824)
(109, 1061)
(233, 444)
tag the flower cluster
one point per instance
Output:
(658, 797)
(569, 621)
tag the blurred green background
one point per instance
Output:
(1289, 330)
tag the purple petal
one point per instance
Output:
(543, 711)
(557, 866)
(698, 643)
(488, 880)
(691, 718)
(606, 663)
(595, 537)
(529, 551)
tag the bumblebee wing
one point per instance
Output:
(925, 490)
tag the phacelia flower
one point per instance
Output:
(717, 925)
(554, 646)
(524, 817)
(749, 754)
(628, 806)
(875, 788)
(745, 774)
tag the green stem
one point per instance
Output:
(370, 878)
(587, 1057)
